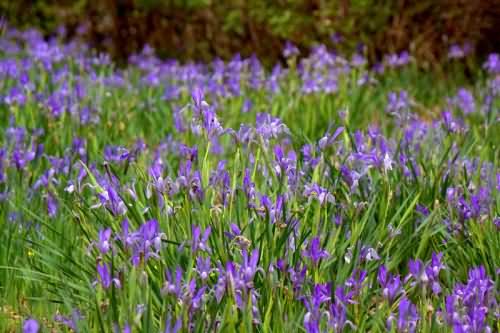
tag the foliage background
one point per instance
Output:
(204, 29)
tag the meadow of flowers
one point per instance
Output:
(321, 195)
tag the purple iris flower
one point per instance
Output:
(355, 281)
(421, 209)
(450, 123)
(199, 241)
(391, 284)
(314, 191)
(492, 64)
(427, 275)
(286, 164)
(52, 205)
(408, 316)
(247, 106)
(116, 154)
(192, 297)
(464, 100)
(235, 231)
(469, 306)
(31, 326)
(126, 238)
(220, 286)
(351, 177)
(191, 180)
(176, 326)
(357, 60)
(290, 50)
(417, 271)
(112, 201)
(220, 180)
(146, 242)
(249, 189)
(338, 310)
(269, 127)
(69, 321)
(103, 243)
(211, 123)
(249, 267)
(456, 52)
(238, 281)
(298, 277)
(315, 252)
(308, 159)
(397, 103)
(273, 210)
(203, 267)
(436, 265)
(397, 60)
(173, 286)
(15, 96)
(369, 254)
(327, 140)
(320, 294)
(21, 158)
(198, 99)
(105, 277)
(179, 121)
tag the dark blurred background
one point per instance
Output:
(204, 29)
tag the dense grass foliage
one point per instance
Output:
(320, 196)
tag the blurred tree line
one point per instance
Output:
(203, 29)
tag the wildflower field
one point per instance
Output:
(323, 194)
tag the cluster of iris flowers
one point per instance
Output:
(317, 196)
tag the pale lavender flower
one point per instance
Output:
(247, 106)
(450, 123)
(146, 242)
(110, 199)
(290, 50)
(357, 60)
(203, 267)
(327, 140)
(464, 100)
(103, 244)
(398, 103)
(457, 52)
(492, 64)
(270, 127)
(397, 60)
(273, 210)
(314, 191)
(173, 286)
(31, 326)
